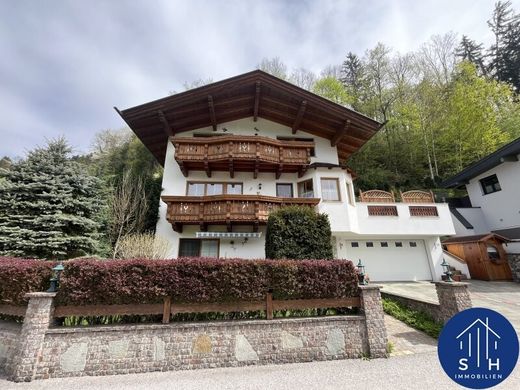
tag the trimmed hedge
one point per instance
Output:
(298, 232)
(188, 280)
(20, 276)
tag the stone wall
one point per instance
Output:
(43, 351)
(139, 348)
(9, 335)
(430, 308)
(514, 264)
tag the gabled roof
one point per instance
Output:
(475, 238)
(254, 94)
(511, 233)
(508, 152)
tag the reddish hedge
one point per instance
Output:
(202, 280)
(20, 276)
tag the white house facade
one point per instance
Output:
(493, 186)
(237, 149)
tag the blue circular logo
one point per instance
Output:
(478, 348)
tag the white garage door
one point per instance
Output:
(391, 260)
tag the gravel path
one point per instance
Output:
(417, 371)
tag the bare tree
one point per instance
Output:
(128, 207)
(107, 140)
(437, 57)
(274, 66)
(303, 78)
(144, 246)
(331, 71)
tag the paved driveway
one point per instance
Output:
(503, 297)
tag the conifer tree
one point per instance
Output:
(48, 205)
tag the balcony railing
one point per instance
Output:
(226, 209)
(235, 153)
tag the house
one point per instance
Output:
(236, 149)
(493, 187)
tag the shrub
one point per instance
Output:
(143, 245)
(91, 281)
(298, 232)
(20, 276)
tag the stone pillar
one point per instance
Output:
(514, 264)
(453, 298)
(37, 319)
(375, 320)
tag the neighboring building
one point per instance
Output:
(236, 149)
(493, 186)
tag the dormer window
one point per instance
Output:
(490, 184)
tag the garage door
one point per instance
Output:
(391, 260)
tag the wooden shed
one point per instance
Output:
(484, 254)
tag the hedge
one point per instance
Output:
(19, 276)
(90, 281)
(298, 232)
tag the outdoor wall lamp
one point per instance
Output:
(361, 273)
(447, 270)
(55, 280)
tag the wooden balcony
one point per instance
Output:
(235, 153)
(226, 210)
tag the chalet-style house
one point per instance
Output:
(236, 149)
(493, 203)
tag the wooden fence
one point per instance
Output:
(169, 308)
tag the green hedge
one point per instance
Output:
(298, 232)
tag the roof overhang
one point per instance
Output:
(507, 153)
(255, 94)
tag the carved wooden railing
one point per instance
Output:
(377, 196)
(234, 152)
(416, 196)
(226, 209)
(382, 211)
(423, 211)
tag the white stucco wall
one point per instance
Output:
(501, 209)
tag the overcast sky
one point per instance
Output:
(65, 64)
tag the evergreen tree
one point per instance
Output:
(48, 206)
(505, 52)
(470, 51)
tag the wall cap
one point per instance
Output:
(451, 284)
(370, 287)
(40, 295)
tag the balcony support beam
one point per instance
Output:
(231, 168)
(212, 115)
(257, 101)
(299, 116)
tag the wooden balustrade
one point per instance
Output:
(416, 196)
(377, 196)
(235, 153)
(423, 211)
(226, 209)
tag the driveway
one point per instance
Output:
(503, 297)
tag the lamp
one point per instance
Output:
(361, 273)
(447, 270)
(55, 280)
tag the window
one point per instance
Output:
(350, 193)
(330, 189)
(196, 189)
(306, 189)
(399, 244)
(413, 244)
(284, 190)
(492, 252)
(384, 244)
(213, 188)
(354, 244)
(196, 248)
(370, 244)
(490, 184)
(234, 188)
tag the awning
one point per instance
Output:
(228, 235)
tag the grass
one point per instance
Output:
(416, 319)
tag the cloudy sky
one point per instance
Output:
(65, 64)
